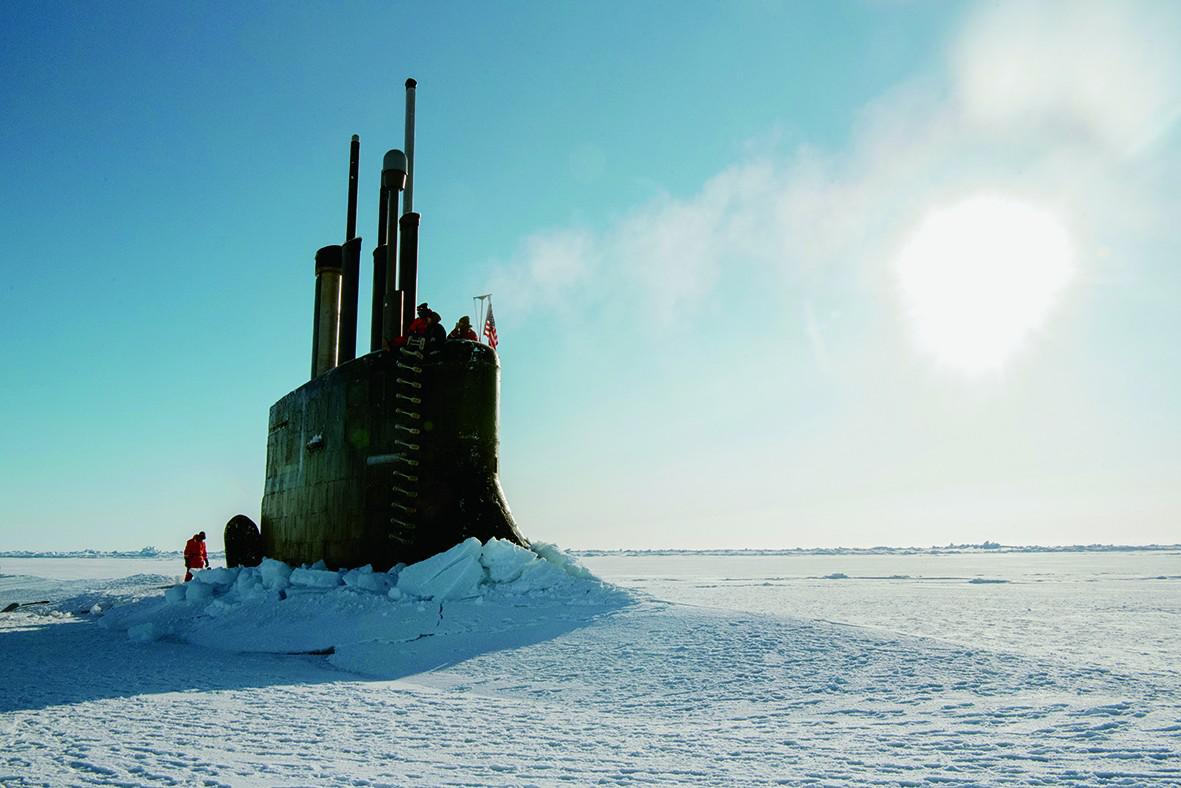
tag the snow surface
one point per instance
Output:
(490, 664)
(153, 552)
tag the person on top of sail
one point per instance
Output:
(436, 335)
(463, 330)
(417, 328)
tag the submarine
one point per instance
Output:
(391, 456)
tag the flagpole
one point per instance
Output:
(490, 324)
(483, 312)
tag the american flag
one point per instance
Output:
(490, 327)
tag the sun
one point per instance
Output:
(978, 278)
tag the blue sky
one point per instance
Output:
(698, 221)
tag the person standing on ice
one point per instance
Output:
(195, 555)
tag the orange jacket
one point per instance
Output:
(195, 555)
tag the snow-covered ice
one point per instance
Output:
(490, 664)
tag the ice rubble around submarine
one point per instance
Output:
(469, 599)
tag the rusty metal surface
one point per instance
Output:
(339, 450)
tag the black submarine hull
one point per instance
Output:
(386, 459)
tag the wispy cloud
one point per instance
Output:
(1056, 102)
(1091, 72)
(819, 418)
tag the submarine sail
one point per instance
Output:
(392, 456)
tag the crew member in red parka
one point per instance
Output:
(463, 330)
(417, 327)
(195, 555)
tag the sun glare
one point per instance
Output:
(979, 277)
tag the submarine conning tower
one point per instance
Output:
(393, 456)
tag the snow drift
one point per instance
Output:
(468, 600)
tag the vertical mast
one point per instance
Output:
(350, 264)
(411, 84)
(350, 230)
